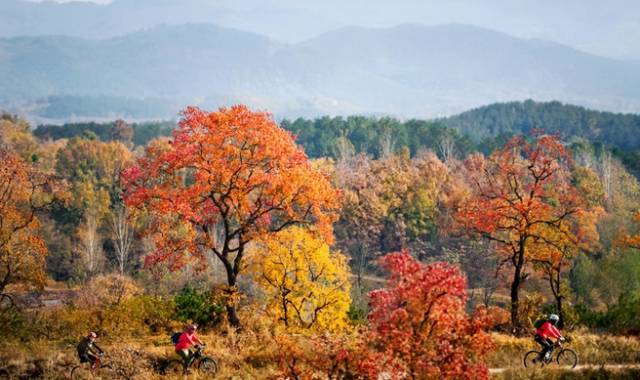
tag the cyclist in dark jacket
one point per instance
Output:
(88, 350)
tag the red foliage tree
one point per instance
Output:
(522, 199)
(227, 178)
(418, 325)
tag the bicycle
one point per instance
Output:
(84, 371)
(199, 361)
(564, 357)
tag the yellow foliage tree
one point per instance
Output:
(305, 285)
(16, 137)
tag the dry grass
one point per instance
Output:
(591, 349)
(247, 356)
(551, 374)
(253, 355)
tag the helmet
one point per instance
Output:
(554, 318)
(192, 327)
(93, 335)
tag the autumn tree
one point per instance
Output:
(16, 137)
(393, 203)
(601, 279)
(522, 198)
(227, 178)
(569, 237)
(122, 235)
(93, 169)
(359, 229)
(419, 327)
(305, 285)
(24, 191)
(121, 131)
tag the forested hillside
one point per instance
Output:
(615, 131)
(571, 122)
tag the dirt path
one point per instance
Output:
(610, 367)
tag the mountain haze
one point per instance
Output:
(407, 71)
(608, 28)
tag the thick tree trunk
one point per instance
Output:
(232, 277)
(232, 313)
(232, 316)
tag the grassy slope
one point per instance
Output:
(252, 356)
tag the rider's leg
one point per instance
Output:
(84, 358)
(190, 359)
(550, 345)
(184, 354)
(95, 362)
(545, 345)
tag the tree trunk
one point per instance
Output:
(515, 298)
(232, 316)
(515, 287)
(560, 312)
(559, 297)
(232, 313)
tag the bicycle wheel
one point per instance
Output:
(81, 372)
(4, 374)
(532, 360)
(567, 357)
(174, 366)
(106, 372)
(208, 365)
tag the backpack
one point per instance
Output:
(537, 324)
(175, 337)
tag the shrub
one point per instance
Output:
(201, 308)
(357, 315)
(108, 290)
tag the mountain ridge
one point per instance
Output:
(409, 70)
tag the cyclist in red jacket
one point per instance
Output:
(187, 340)
(545, 332)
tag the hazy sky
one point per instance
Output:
(609, 28)
(69, 1)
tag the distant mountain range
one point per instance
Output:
(405, 71)
(607, 28)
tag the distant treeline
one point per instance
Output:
(322, 137)
(482, 129)
(142, 132)
(336, 136)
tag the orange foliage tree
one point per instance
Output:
(24, 191)
(227, 178)
(418, 325)
(522, 200)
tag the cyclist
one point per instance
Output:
(88, 350)
(545, 332)
(186, 341)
